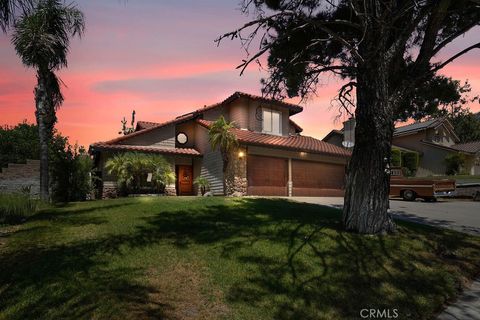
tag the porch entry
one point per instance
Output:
(184, 180)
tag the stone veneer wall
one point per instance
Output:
(236, 181)
(16, 177)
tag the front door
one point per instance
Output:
(185, 183)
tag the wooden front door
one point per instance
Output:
(185, 180)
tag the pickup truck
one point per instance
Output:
(411, 188)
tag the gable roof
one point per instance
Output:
(333, 133)
(472, 147)
(424, 125)
(295, 125)
(418, 126)
(142, 126)
(293, 108)
(297, 143)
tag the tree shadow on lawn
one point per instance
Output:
(72, 282)
(297, 262)
(319, 271)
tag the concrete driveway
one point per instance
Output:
(460, 215)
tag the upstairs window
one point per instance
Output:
(272, 121)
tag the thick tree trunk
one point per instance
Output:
(42, 108)
(368, 177)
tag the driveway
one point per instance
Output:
(460, 215)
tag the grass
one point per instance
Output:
(219, 258)
(16, 207)
(459, 178)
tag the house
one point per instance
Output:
(273, 157)
(433, 140)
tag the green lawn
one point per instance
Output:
(218, 258)
(458, 178)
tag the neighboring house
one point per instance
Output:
(433, 140)
(273, 158)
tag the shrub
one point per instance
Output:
(16, 207)
(396, 158)
(454, 163)
(70, 171)
(132, 169)
(202, 183)
(410, 162)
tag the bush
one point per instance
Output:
(69, 165)
(133, 168)
(202, 183)
(16, 207)
(70, 168)
(396, 158)
(454, 163)
(410, 162)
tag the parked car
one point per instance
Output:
(426, 188)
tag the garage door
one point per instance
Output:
(317, 179)
(267, 176)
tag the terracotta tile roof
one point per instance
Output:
(472, 147)
(102, 146)
(294, 108)
(145, 124)
(298, 143)
(150, 128)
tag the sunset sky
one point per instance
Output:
(159, 58)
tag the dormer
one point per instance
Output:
(262, 115)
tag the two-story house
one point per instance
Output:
(433, 140)
(273, 158)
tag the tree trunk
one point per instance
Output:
(368, 177)
(41, 113)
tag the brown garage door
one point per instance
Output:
(267, 176)
(317, 179)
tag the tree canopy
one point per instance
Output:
(383, 50)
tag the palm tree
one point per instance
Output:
(221, 137)
(41, 38)
(132, 168)
(9, 9)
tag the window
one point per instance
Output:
(182, 138)
(272, 121)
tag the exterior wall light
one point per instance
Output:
(241, 154)
(303, 154)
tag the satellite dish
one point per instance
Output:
(348, 144)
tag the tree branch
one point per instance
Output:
(461, 53)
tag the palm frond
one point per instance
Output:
(11, 9)
(41, 36)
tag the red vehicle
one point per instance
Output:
(426, 188)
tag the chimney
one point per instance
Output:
(349, 133)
